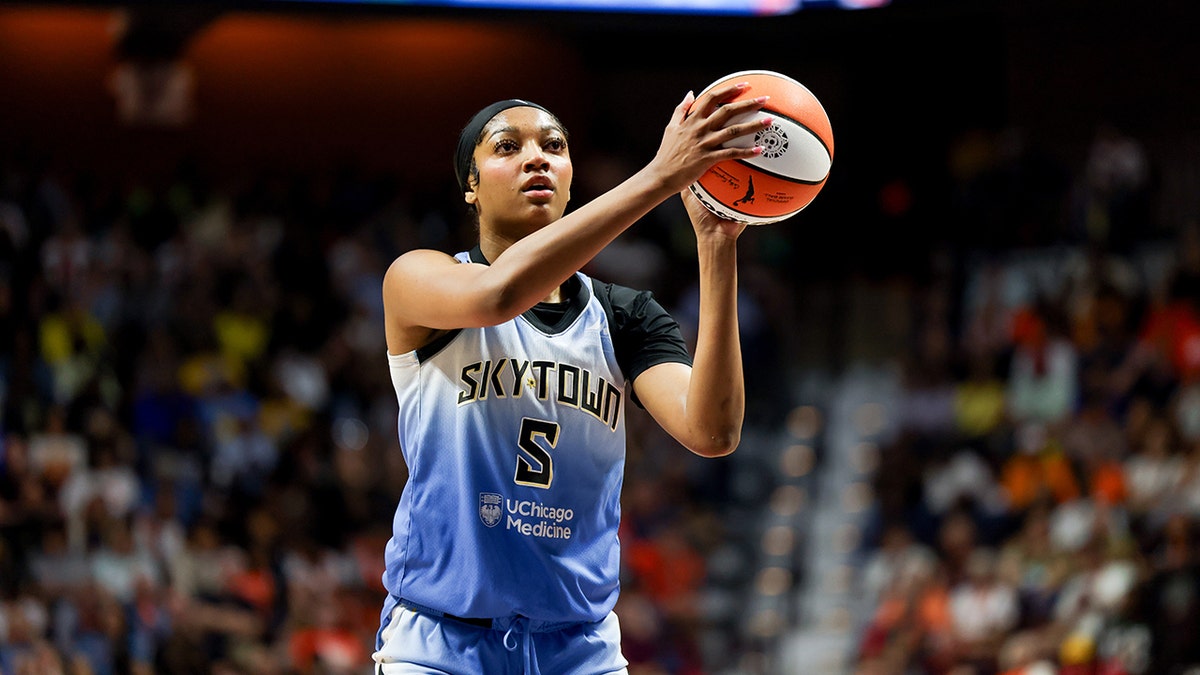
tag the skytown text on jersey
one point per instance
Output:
(573, 386)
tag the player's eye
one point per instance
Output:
(505, 145)
(556, 145)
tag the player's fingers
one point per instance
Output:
(712, 100)
(684, 108)
(733, 131)
(732, 110)
(737, 153)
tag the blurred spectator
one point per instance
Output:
(1042, 384)
(203, 567)
(1035, 568)
(929, 403)
(979, 403)
(1116, 175)
(118, 567)
(957, 538)
(55, 453)
(244, 456)
(1091, 435)
(669, 569)
(56, 568)
(1187, 493)
(984, 608)
(66, 256)
(1168, 346)
(1100, 588)
(112, 486)
(1171, 599)
(1153, 470)
(1023, 654)
(241, 331)
(329, 646)
(897, 555)
(1037, 470)
(913, 621)
(963, 479)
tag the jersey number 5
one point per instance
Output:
(534, 466)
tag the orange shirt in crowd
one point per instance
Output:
(256, 587)
(1107, 483)
(668, 570)
(1025, 477)
(1174, 331)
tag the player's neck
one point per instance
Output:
(492, 245)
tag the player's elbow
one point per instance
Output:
(717, 444)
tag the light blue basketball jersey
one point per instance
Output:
(514, 437)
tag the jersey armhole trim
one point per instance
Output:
(602, 298)
(438, 344)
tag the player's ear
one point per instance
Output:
(469, 197)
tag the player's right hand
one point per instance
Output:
(694, 138)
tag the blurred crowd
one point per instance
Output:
(198, 456)
(199, 465)
(1039, 508)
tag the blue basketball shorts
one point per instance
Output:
(422, 643)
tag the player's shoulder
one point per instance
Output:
(623, 303)
(619, 295)
(422, 256)
(417, 262)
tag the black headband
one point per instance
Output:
(470, 135)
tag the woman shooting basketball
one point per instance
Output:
(512, 371)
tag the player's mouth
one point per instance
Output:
(538, 187)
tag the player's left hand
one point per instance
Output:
(706, 223)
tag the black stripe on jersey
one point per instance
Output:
(476, 255)
(643, 333)
(428, 351)
(576, 298)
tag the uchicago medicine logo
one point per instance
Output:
(525, 517)
(490, 509)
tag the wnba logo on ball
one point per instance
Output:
(774, 141)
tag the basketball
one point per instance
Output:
(797, 154)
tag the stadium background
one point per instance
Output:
(971, 362)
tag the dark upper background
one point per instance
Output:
(308, 87)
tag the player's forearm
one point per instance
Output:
(531, 268)
(716, 402)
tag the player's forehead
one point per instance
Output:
(521, 120)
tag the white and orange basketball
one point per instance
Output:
(797, 154)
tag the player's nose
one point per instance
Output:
(535, 158)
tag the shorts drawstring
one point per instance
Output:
(515, 627)
(520, 625)
(512, 627)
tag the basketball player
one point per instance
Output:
(513, 371)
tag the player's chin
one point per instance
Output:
(543, 212)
